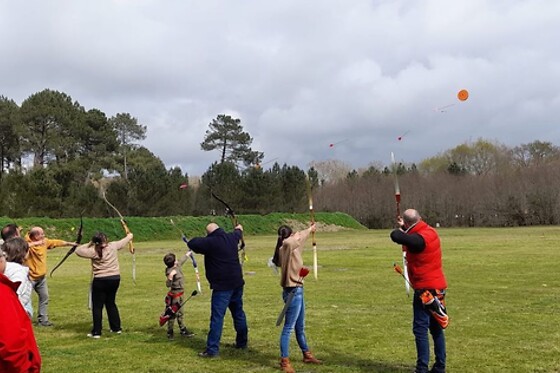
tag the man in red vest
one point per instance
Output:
(425, 272)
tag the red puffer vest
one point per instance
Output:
(424, 268)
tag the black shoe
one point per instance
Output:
(205, 354)
(233, 345)
(186, 332)
(45, 323)
(170, 336)
(437, 370)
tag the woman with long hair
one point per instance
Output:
(106, 279)
(288, 256)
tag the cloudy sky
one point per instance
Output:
(300, 75)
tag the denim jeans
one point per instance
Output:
(422, 322)
(40, 286)
(221, 301)
(295, 319)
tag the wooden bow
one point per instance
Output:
(312, 216)
(127, 231)
(398, 208)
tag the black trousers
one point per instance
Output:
(103, 294)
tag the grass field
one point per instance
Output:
(503, 301)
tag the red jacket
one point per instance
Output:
(18, 348)
(424, 268)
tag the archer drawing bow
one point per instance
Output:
(229, 212)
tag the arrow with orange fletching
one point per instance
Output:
(400, 271)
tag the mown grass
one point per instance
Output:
(503, 300)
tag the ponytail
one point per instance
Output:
(283, 232)
(99, 239)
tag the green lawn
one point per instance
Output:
(503, 301)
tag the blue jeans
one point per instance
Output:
(422, 322)
(295, 319)
(221, 301)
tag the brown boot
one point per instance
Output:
(308, 358)
(286, 366)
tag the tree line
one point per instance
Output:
(57, 159)
(483, 184)
(76, 154)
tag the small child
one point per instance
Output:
(176, 283)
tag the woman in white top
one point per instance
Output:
(17, 249)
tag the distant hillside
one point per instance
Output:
(160, 228)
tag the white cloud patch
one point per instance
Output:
(299, 75)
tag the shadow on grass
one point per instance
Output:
(255, 357)
(197, 343)
(79, 327)
(364, 365)
(333, 360)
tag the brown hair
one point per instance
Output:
(9, 231)
(16, 249)
(99, 239)
(169, 260)
(284, 232)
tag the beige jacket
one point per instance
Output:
(291, 260)
(108, 264)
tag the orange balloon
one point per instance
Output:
(463, 95)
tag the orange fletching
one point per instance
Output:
(397, 268)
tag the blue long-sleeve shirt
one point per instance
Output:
(221, 259)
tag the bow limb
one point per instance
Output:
(230, 212)
(397, 187)
(398, 211)
(79, 237)
(191, 255)
(127, 231)
(312, 216)
(405, 273)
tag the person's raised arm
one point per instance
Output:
(124, 241)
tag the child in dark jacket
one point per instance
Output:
(175, 281)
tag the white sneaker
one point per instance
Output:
(94, 336)
(117, 332)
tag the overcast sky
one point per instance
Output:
(300, 75)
